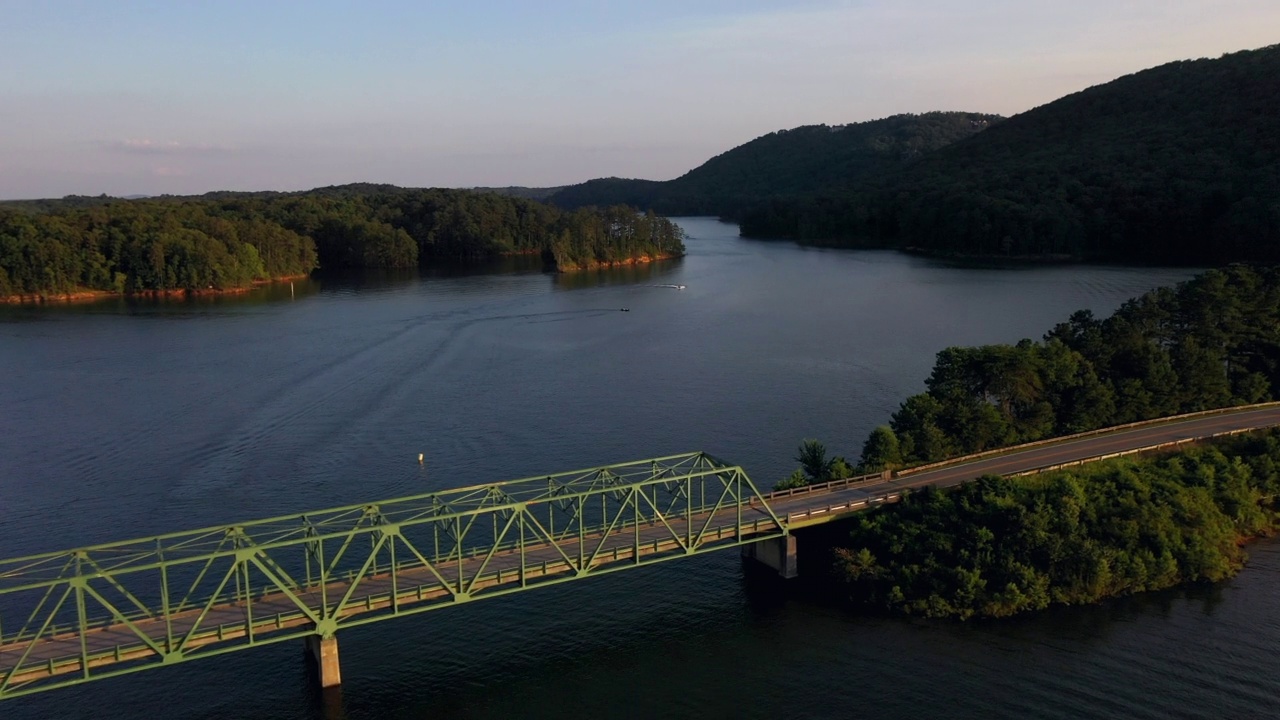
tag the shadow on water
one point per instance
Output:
(508, 265)
(322, 703)
(376, 280)
(763, 589)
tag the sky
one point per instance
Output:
(177, 96)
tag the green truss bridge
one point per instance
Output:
(79, 615)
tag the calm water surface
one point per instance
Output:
(120, 420)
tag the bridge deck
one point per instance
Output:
(811, 508)
(414, 584)
(268, 616)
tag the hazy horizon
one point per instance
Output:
(135, 99)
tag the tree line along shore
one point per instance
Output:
(229, 241)
(1000, 546)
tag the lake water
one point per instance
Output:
(129, 419)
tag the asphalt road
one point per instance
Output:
(1019, 461)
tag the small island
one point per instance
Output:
(83, 248)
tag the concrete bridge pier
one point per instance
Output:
(325, 652)
(776, 553)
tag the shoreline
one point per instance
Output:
(597, 265)
(88, 296)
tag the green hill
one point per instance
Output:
(803, 161)
(1180, 163)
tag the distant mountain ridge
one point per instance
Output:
(1176, 164)
(801, 161)
(520, 191)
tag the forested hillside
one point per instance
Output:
(1212, 341)
(1000, 546)
(229, 240)
(802, 161)
(1178, 164)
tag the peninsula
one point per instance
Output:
(226, 242)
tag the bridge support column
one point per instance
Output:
(325, 652)
(776, 553)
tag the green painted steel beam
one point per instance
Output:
(117, 608)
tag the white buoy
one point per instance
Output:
(419, 458)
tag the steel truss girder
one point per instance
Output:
(123, 607)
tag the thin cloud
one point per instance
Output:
(147, 146)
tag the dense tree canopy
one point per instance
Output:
(998, 546)
(229, 240)
(801, 161)
(130, 247)
(1180, 163)
(1002, 546)
(1210, 342)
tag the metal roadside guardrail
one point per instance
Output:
(1154, 422)
(1010, 449)
(1133, 451)
(861, 503)
(896, 494)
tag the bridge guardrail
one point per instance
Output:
(828, 485)
(888, 497)
(1168, 419)
(896, 495)
(960, 460)
(1133, 451)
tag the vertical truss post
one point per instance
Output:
(81, 618)
(688, 513)
(395, 573)
(324, 579)
(307, 547)
(248, 598)
(737, 482)
(523, 579)
(164, 598)
(435, 530)
(377, 518)
(235, 567)
(457, 539)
